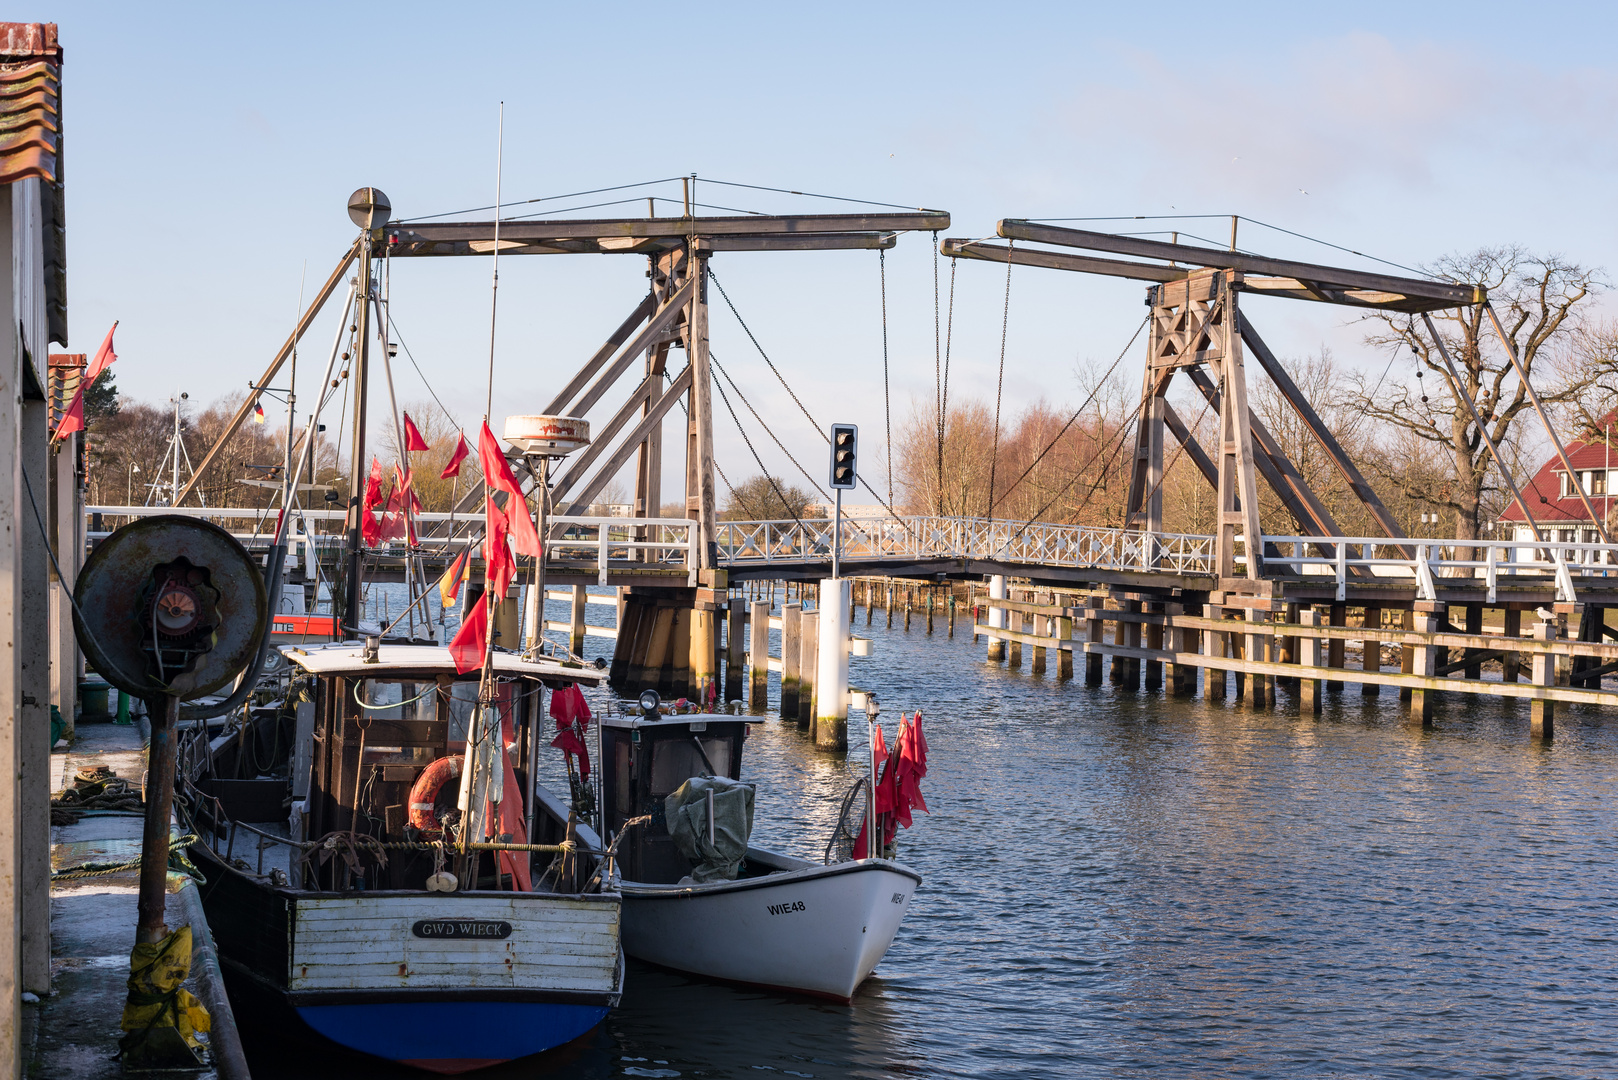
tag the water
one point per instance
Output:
(1117, 882)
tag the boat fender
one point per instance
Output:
(424, 794)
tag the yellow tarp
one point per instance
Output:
(156, 971)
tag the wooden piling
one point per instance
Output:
(1256, 648)
(1094, 628)
(1131, 630)
(1426, 664)
(1154, 640)
(575, 637)
(676, 677)
(808, 669)
(758, 695)
(704, 654)
(1309, 690)
(1511, 663)
(1474, 625)
(1334, 649)
(1542, 714)
(887, 607)
(735, 650)
(1064, 632)
(791, 657)
(1040, 626)
(1216, 684)
(1371, 658)
(869, 602)
(1407, 654)
(1014, 647)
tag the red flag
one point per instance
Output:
(471, 641)
(370, 528)
(498, 565)
(396, 523)
(73, 415)
(455, 459)
(497, 475)
(569, 708)
(508, 814)
(393, 522)
(413, 439)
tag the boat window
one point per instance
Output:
(674, 761)
(409, 700)
(463, 699)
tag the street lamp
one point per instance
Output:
(129, 484)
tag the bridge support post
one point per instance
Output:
(1426, 664)
(1154, 640)
(1094, 629)
(808, 669)
(575, 638)
(831, 680)
(1014, 647)
(1474, 625)
(1309, 690)
(1289, 650)
(1064, 633)
(1131, 634)
(1257, 650)
(1542, 717)
(1334, 647)
(758, 689)
(1407, 654)
(735, 651)
(1371, 658)
(791, 657)
(1217, 683)
(997, 616)
(704, 653)
(1040, 625)
(1511, 663)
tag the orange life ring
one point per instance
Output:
(424, 793)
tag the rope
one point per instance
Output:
(766, 428)
(1000, 383)
(1076, 412)
(720, 386)
(1123, 432)
(95, 788)
(393, 704)
(886, 505)
(887, 400)
(102, 869)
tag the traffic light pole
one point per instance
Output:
(837, 537)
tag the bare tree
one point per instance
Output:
(1541, 301)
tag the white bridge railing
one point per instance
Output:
(911, 539)
(615, 543)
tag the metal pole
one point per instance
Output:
(154, 851)
(837, 537)
(538, 640)
(494, 288)
(873, 843)
(357, 468)
(174, 484)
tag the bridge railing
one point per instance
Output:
(919, 537)
(1493, 562)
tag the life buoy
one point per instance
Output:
(424, 793)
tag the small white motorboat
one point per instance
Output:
(777, 922)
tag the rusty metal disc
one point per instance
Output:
(114, 580)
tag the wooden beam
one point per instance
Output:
(1194, 451)
(1058, 260)
(612, 245)
(1322, 433)
(601, 439)
(647, 305)
(525, 232)
(270, 372)
(822, 242)
(1331, 276)
(631, 443)
(644, 339)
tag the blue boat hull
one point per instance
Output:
(453, 1036)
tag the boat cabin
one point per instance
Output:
(644, 759)
(367, 727)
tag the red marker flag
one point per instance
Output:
(413, 439)
(497, 475)
(455, 459)
(471, 641)
(370, 528)
(73, 415)
(499, 567)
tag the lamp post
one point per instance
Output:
(129, 484)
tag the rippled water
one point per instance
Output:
(1120, 882)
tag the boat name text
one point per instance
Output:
(461, 928)
(783, 909)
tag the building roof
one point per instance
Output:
(1543, 492)
(30, 102)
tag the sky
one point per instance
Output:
(210, 151)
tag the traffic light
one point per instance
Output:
(844, 442)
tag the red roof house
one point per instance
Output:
(1553, 497)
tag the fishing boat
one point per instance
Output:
(337, 885)
(711, 903)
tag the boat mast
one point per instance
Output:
(369, 209)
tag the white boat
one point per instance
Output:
(782, 923)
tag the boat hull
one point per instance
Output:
(433, 1035)
(818, 930)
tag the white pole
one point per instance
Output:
(831, 665)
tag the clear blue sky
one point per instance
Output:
(210, 150)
